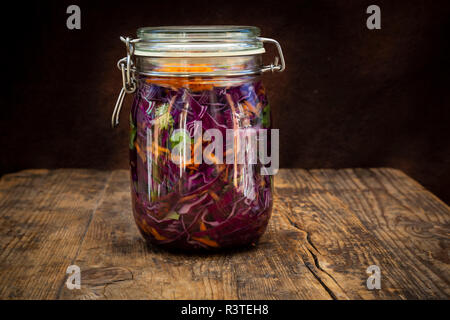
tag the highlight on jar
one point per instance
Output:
(202, 149)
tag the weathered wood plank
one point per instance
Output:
(338, 241)
(44, 216)
(410, 223)
(410, 194)
(345, 247)
(327, 227)
(273, 270)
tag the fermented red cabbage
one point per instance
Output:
(195, 206)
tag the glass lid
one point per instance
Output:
(200, 41)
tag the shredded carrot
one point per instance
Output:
(226, 175)
(221, 168)
(175, 67)
(206, 241)
(202, 226)
(262, 90)
(152, 230)
(214, 195)
(139, 151)
(250, 107)
(196, 84)
(186, 198)
(211, 157)
(156, 234)
(165, 150)
(263, 183)
(175, 83)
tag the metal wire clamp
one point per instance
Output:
(129, 85)
(275, 66)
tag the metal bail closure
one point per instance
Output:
(125, 65)
(274, 66)
(129, 84)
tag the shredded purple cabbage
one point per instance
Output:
(197, 206)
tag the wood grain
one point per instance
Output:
(411, 223)
(44, 216)
(272, 270)
(327, 227)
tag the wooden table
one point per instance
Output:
(328, 227)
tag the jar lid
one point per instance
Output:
(198, 41)
(192, 41)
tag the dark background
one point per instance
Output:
(350, 97)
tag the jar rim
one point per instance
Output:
(198, 32)
(198, 41)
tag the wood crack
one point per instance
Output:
(116, 281)
(311, 268)
(327, 227)
(328, 290)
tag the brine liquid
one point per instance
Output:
(192, 205)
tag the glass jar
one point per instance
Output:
(195, 180)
